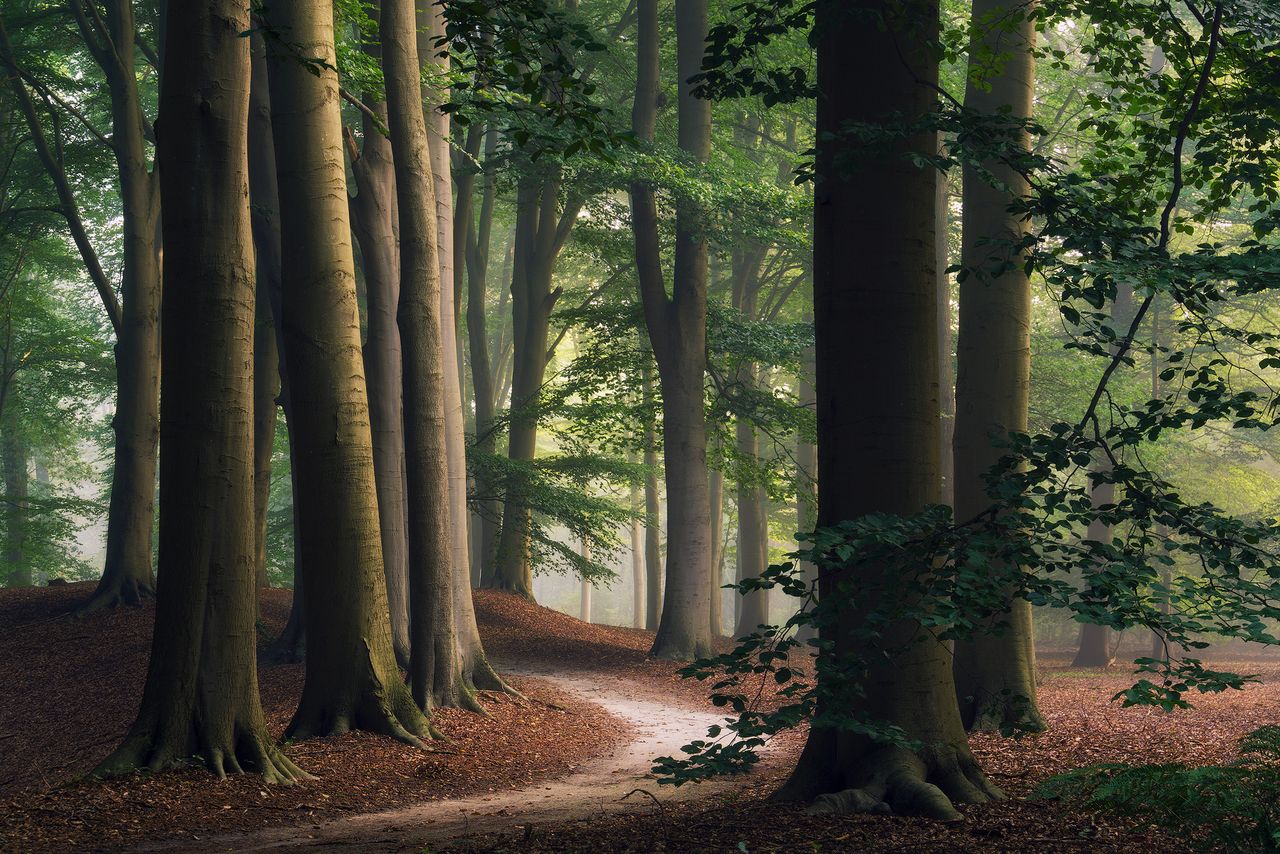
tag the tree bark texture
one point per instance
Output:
(352, 681)
(14, 450)
(677, 332)
(435, 665)
(126, 574)
(995, 672)
(201, 692)
(374, 219)
(875, 306)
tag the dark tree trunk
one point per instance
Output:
(541, 230)
(652, 519)
(677, 328)
(266, 355)
(715, 480)
(482, 379)
(352, 681)
(875, 305)
(201, 693)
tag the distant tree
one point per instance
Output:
(995, 672)
(677, 330)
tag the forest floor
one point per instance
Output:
(547, 773)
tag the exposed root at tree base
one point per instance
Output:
(240, 753)
(392, 713)
(902, 782)
(1006, 714)
(126, 590)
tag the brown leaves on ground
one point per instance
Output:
(69, 688)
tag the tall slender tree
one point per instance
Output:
(375, 220)
(110, 36)
(995, 671)
(677, 326)
(201, 693)
(351, 676)
(435, 665)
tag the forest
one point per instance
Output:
(639, 425)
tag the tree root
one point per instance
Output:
(125, 590)
(999, 713)
(240, 752)
(902, 782)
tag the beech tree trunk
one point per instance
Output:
(201, 692)
(482, 375)
(875, 307)
(995, 672)
(13, 448)
(126, 572)
(715, 480)
(351, 676)
(584, 592)
(652, 518)
(266, 355)
(541, 231)
(637, 559)
(435, 665)
(463, 634)
(264, 216)
(677, 326)
(374, 220)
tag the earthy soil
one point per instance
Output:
(69, 689)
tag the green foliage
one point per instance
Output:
(1233, 807)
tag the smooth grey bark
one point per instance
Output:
(14, 453)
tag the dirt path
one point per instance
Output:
(605, 785)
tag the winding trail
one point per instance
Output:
(602, 785)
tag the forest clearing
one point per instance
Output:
(639, 425)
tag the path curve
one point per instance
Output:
(598, 787)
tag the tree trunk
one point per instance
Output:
(677, 330)
(264, 216)
(875, 307)
(435, 667)
(126, 572)
(15, 452)
(946, 365)
(266, 356)
(995, 672)
(201, 693)
(351, 675)
(374, 220)
(807, 483)
(715, 480)
(637, 559)
(584, 593)
(541, 230)
(652, 518)
(482, 380)
(463, 634)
